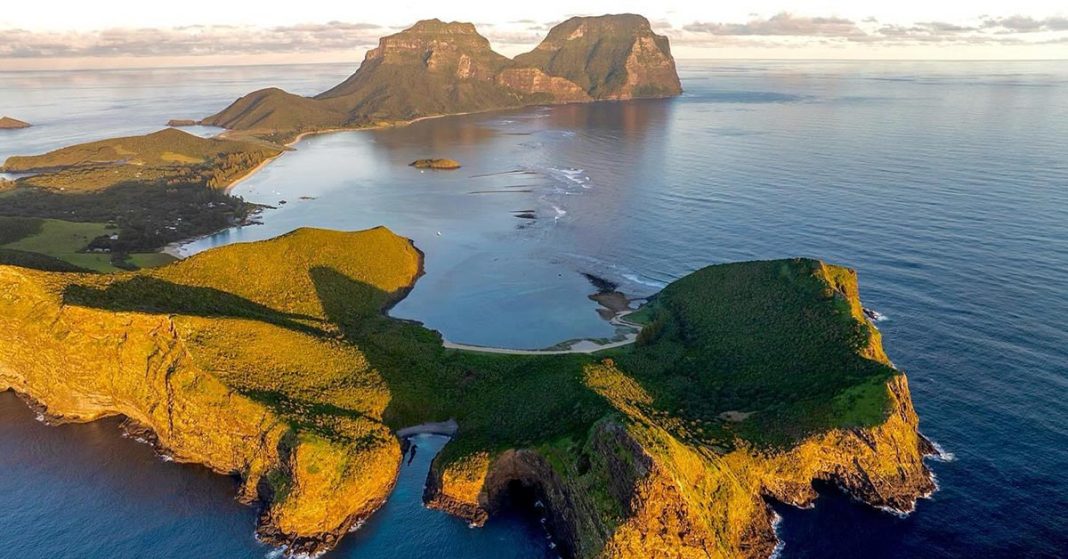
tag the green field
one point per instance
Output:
(65, 241)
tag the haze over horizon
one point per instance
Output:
(53, 34)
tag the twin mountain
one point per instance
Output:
(436, 68)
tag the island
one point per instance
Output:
(437, 68)
(747, 382)
(8, 123)
(437, 163)
(181, 122)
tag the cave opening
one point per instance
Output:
(528, 501)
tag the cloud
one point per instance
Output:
(1025, 24)
(781, 28)
(188, 40)
(782, 24)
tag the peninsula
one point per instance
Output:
(137, 193)
(748, 382)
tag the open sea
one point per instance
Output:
(944, 184)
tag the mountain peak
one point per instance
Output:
(436, 67)
(437, 27)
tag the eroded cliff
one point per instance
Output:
(227, 379)
(273, 361)
(648, 482)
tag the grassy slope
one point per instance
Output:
(773, 338)
(169, 156)
(296, 325)
(63, 240)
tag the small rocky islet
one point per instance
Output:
(8, 123)
(436, 163)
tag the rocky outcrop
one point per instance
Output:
(642, 486)
(607, 57)
(181, 122)
(8, 123)
(437, 163)
(183, 381)
(638, 491)
(536, 82)
(437, 68)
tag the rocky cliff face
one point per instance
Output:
(436, 68)
(607, 57)
(194, 381)
(639, 487)
(641, 492)
(292, 379)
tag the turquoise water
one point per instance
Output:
(944, 184)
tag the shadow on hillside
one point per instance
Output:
(500, 401)
(409, 357)
(153, 295)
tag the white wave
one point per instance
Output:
(941, 454)
(874, 315)
(635, 278)
(895, 512)
(560, 212)
(570, 176)
(776, 520)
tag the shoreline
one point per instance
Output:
(228, 133)
(580, 346)
(445, 428)
(175, 248)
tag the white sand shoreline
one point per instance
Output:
(447, 428)
(584, 346)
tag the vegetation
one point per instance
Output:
(775, 340)
(410, 75)
(289, 337)
(36, 261)
(150, 191)
(59, 240)
(167, 157)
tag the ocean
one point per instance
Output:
(944, 184)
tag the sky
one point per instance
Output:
(53, 34)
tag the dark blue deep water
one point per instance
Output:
(944, 184)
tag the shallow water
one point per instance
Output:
(944, 184)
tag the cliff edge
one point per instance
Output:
(748, 382)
